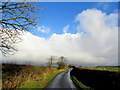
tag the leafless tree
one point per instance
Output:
(62, 62)
(16, 17)
(51, 61)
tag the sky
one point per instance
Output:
(86, 33)
(56, 16)
(63, 0)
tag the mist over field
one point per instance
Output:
(95, 43)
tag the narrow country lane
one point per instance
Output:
(62, 81)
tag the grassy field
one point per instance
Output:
(26, 76)
(103, 68)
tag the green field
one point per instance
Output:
(103, 68)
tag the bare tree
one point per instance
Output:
(51, 61)
(16, 17)
(62, 62)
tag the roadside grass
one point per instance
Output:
(103, 68)
(80, 84)
(27, 76)
(45, 79)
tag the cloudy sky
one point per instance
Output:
(64, 0)
(85, 33)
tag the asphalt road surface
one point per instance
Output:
(62, 81)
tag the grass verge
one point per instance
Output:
(80, 84)
(46, 78)
(116, 69)
(27, 76)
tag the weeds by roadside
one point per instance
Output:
(27, 76)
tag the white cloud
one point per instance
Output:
(97, 46)
(43, 29)
(65, 29)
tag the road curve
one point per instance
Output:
(62, 80)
